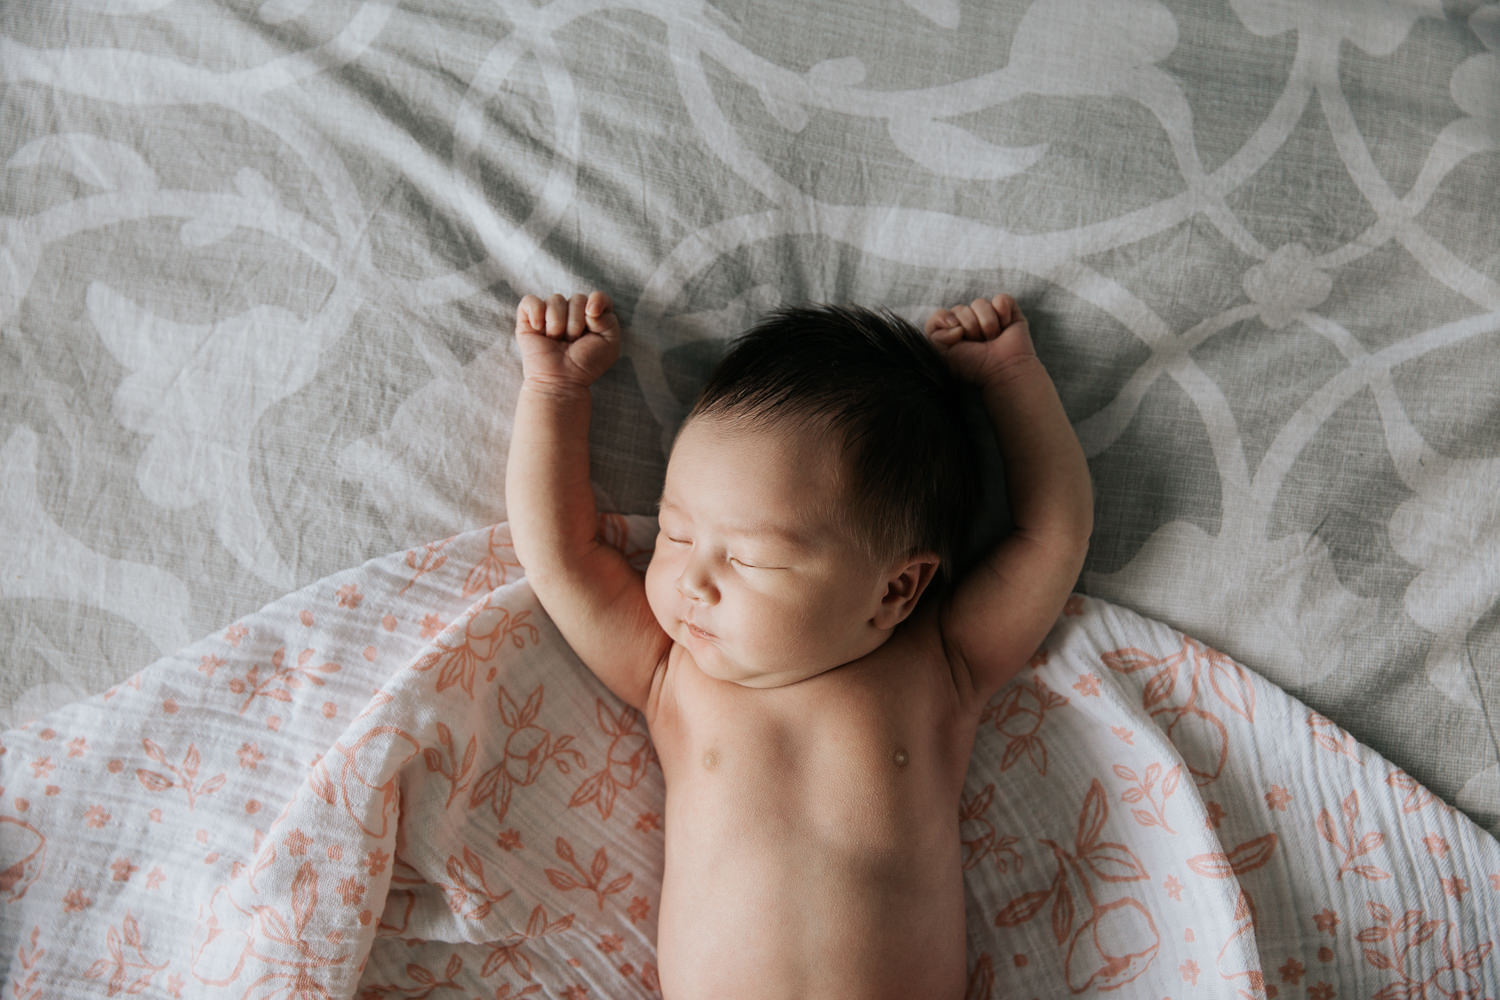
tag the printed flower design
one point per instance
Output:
(459, 653)
(979, 837)
(1350, 844)
(630, 754)
(23, 850)
(1018, 714)
(1450, 530)
(1211, 679)
(528, 750)
(1287, 284)
(1117, 941)
(1422, 964)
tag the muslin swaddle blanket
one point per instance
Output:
(399, 782)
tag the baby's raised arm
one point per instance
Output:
(595, 598)
(1000, 611)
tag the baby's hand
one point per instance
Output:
(567, 343)
(980, 339)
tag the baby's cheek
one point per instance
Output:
(656, 579)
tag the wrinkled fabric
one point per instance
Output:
(400, 781)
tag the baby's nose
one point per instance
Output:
(695, 585)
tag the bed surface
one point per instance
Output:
(259, 263)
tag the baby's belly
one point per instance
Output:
(766, 896)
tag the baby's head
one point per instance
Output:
(818, 487)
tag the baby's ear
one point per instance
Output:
(906, 582)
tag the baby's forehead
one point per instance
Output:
(785, 469)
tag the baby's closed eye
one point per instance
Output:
(748, 564)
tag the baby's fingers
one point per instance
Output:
(600, 317)
(1007, 310)
(577, 317)
(557, 316)
(983, 321)
(531, 315)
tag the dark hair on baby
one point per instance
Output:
(873, 381)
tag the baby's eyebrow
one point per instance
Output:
(751, 529)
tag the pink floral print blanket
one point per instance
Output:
(399, 782)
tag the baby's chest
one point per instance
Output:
(823, 758)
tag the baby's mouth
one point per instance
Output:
(697, 632)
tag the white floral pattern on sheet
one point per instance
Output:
(257, 260)
(411, 786)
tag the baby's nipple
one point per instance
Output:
(710, 760)
(901, 757)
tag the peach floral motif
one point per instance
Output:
(1415, 797)
(127, 973)
(23, 983)
(528, 750)
(1087, 685)
(1326, 921)
(425, 982)
(1245, 858)
(981, 983)
(639, 909)
(428, 559)
(1018, 714)
(1344, 841)
(445, 762)
(630, 753)
(1278, 798)
(278, 683)
(508, 951)
(1211, 679)
(250, 756)
(349, 596)
(470, 895)
(494, 568)
(1145, 791)
(1117, 941)
(591, 879)
(979, 837)
(457, 662)
(1331, 737)
(1407, 946)
(1173, 886)
(1292, 971)
(184, 777)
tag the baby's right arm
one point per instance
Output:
(593, 596)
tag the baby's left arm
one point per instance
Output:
(1002, 609)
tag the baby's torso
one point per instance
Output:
(812, 845)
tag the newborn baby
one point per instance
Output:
(813, 713)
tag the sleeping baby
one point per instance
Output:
(813, 713)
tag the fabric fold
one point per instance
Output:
(400, 780)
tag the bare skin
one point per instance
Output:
(814, 721)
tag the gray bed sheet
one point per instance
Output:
(260, 261)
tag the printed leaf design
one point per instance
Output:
(304, 896)
(1129, 660)
(1023, 908)
(1243, 859)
